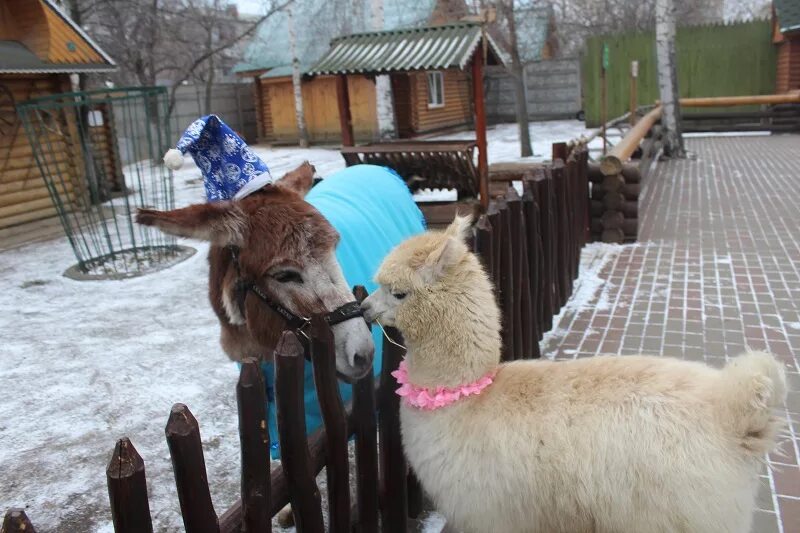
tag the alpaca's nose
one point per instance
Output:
(366, 307)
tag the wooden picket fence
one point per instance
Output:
(530, 245)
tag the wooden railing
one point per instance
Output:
(531, 245)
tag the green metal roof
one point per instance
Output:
(15, 58)
(788, 12)
(426, 48)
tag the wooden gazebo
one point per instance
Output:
(462, 48)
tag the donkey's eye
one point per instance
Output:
(399, 295)
(288, 276)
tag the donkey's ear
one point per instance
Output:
(460, 228)
(221, 223)
(299, 180)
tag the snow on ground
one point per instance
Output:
(84, 363)
(590, 290)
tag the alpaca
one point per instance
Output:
(604, 444)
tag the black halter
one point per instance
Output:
(296, 322)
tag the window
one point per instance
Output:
(435, 89)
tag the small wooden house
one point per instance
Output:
(786, 36)
(431, 91)
(39, 48)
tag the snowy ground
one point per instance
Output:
(84, 363)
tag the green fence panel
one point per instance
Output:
(713, 60)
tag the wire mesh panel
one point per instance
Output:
(99, 154)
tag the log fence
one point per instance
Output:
(530, 244)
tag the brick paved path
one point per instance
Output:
(717, 269)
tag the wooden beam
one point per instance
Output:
(612, 162)
(345, 120)
(792, 97)
(480, 126)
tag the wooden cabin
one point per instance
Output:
(430, 86)
(39, 48)
(786, 36)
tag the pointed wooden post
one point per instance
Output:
(127, 489)
(480, 126)
(345, 120)
(16, 521)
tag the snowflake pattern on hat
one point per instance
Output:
(230, 169)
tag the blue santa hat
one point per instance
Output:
(230, 169)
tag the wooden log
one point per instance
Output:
(792, 97)
(613, 201)
(189, 466)
(534, 255)
(630, 191)
(546, 230)
(615, 236)
(483, 243)
(613, 183)
(295, 458)
(506, 292)
(562, 228)
(323, 357)
(629, 209)
(630, 226)
(612, 219)
(631, 174)
(254, 442)
(493, 214)
(394, 470)
(16, 521)
(594, 173)
(365, 428)
(127, 490)
(517, 238)
(613, 161)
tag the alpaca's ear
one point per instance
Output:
(460, 228)
(299, 180)
(221, 223)
(443, 257)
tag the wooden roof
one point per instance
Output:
(427, 48)
(36, 36)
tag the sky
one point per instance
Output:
(254, 7)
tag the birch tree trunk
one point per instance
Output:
(518, 78)
(383, 85)
(302, 132)
(668, 78)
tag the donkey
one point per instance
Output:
(273, 262)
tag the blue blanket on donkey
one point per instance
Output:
(373, 211)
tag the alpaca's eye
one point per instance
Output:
(399, 295)
(288, 276)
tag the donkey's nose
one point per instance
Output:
(362, 362)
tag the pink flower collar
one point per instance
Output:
(430, 399)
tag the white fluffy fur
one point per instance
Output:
(604, 444)
(173, 158)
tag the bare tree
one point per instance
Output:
(166, 41)
(504, 31)
(302, 131)
(668, 77)
(383, 84)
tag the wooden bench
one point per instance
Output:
(423, 164)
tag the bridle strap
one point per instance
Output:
(296, 322)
